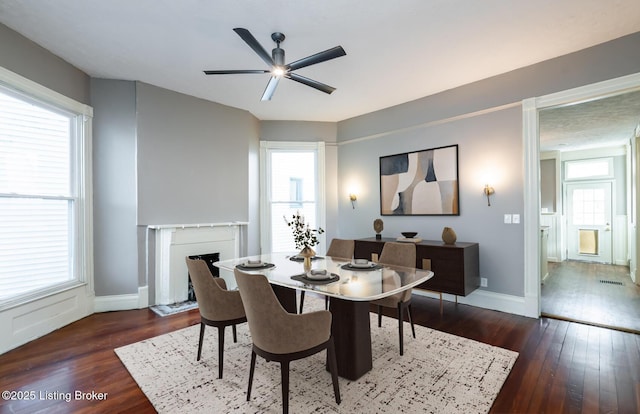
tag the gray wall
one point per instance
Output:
(22, 56)
(114, 187)
(300, 131)
(548, 185)
(488, 143)
(193, 159)
(501, 246)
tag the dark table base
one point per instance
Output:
(352, 335)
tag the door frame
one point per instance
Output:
(531, 185)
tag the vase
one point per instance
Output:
(307, 253)
(449, 236)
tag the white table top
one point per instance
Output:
(355, 285)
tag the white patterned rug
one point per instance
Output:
(439, 373)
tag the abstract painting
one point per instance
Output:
(420, 183)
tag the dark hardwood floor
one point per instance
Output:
(594, 293)
(562, 367)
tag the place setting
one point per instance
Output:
(361, 265)
(317, 277)
(254, 264)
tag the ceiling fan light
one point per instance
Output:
(278, 71)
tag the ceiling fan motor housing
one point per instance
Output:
(278, 56)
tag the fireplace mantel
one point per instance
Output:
(173, 242)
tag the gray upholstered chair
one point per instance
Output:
(281, 336)
(398, 254)
(339, 248)
(218, 306)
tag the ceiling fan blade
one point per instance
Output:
(232, 72)
(254, 44)
(270, 89)
(317, 58)
(310, 82)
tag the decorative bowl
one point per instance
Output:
(409, 234)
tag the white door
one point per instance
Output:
(589, 221)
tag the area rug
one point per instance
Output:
(439, 373)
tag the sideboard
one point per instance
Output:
(456, 267)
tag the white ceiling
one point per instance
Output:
(397, 51)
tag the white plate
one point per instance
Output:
(362, 265)
(253, 264)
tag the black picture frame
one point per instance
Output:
(420, 183)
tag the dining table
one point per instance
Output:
(350, 284)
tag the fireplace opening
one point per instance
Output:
(209, 259)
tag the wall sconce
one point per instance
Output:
(488, 190)
(353, 199)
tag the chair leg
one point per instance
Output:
(333, 367)
(200, 342)
(284, 374)
(400, 326)
(253, 367)
(413, 328)
(379, 316)
(235, 334)
(301, 301)
(326, 302)
(220, 350)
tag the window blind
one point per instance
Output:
(36, 197)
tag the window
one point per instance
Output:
(295, 191)
(589, 206)
(44, 208)
(589, 169)
(293, 181)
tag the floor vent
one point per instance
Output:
(612, 282)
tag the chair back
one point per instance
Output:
(215, 302)
(264, 311)
(398, 254)
(272, 328)
(341, 248)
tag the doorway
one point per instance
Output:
(590, 277)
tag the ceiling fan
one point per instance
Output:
(278, 69)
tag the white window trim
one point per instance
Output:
(265, 222)
(608, 160)
(84, 235)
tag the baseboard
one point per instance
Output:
(524, 306)
(122, 302)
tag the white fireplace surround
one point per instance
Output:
(174, 242)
